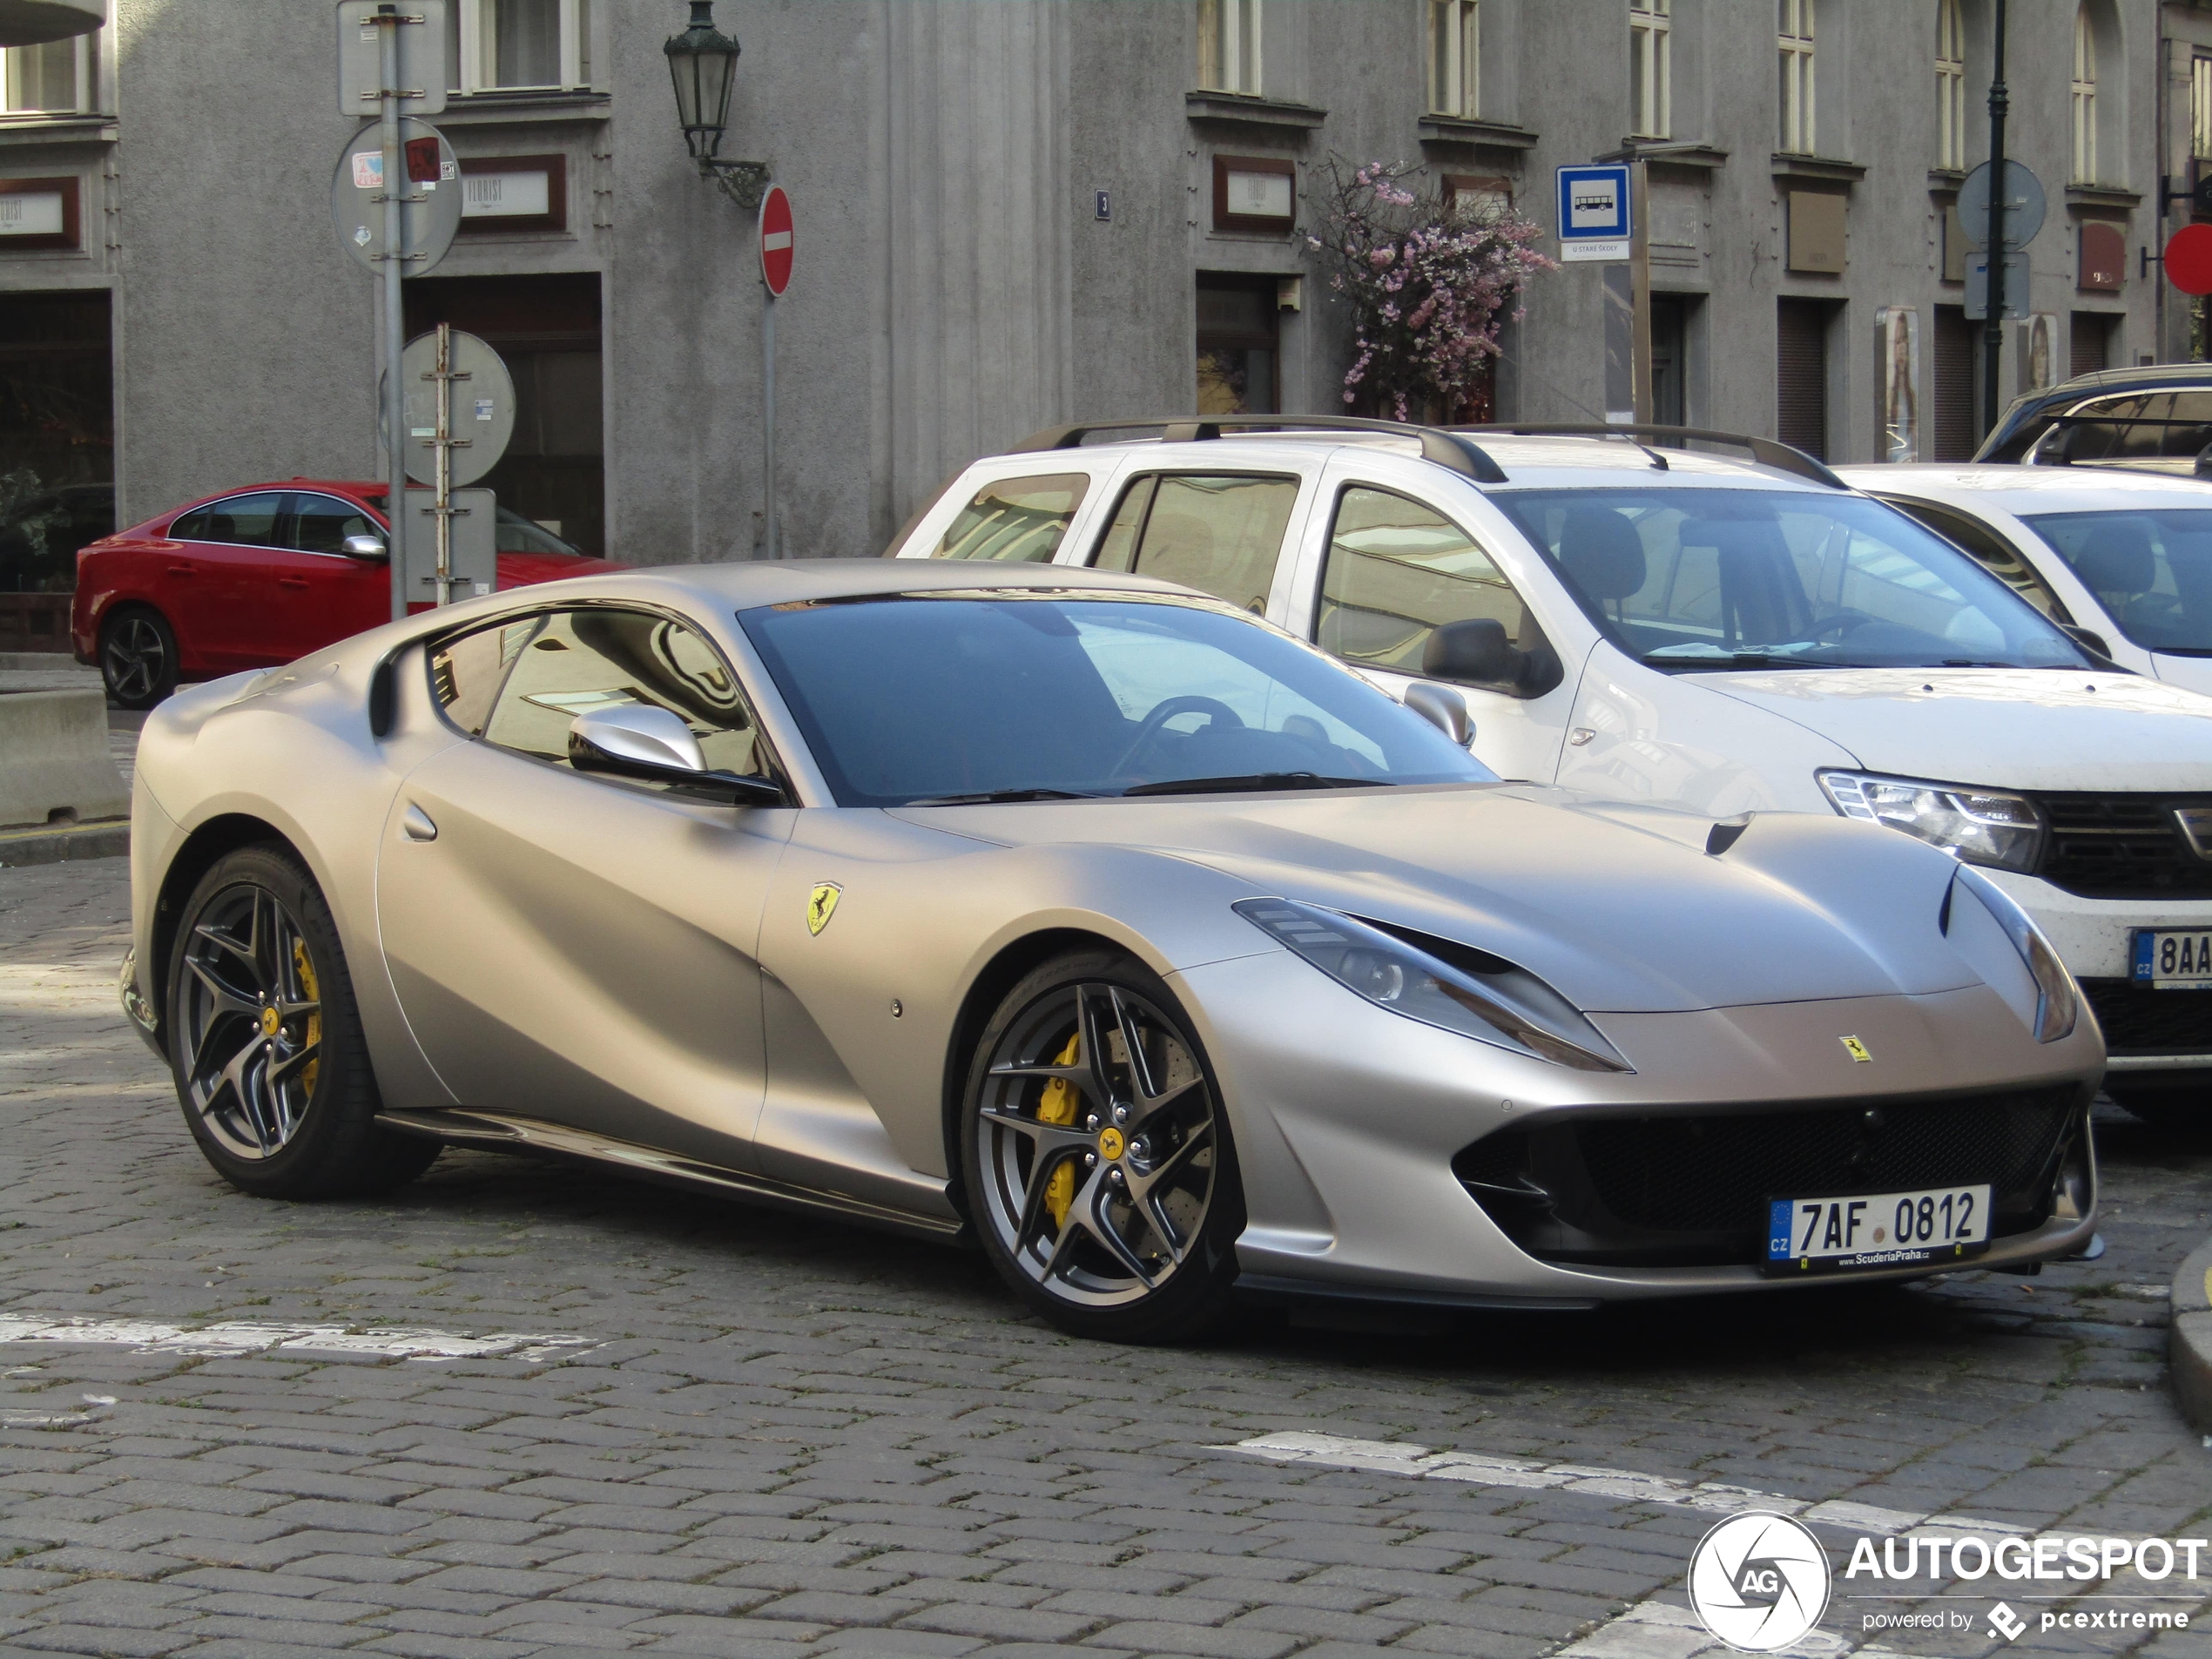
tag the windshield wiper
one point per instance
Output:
(1734, 659)
(991, 796)
(1253, 780)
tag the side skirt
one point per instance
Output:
(494, 1132)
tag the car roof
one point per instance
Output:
(2144, 375)
(1529, 461)
(2038, 489)
(749, 585)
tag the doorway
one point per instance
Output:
(547, 330)
(1239, 346)
(1801, 375)
(56, 456)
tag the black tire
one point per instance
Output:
(137, 657)
(2175, 1110)
(1146, 1155)
(266, 1044)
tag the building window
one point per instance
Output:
(60, 77)
(1228, 45)
(1455, 56)
(2200, 105)
(511, 45)
(1650, 68)
(1951, 87)
(1793, 36)
(2085, 97)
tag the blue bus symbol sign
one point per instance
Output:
(1594, 217)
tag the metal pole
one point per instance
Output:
(444, 378)
(388, 27)
(1992, 328)
(768, 416)
(2165, 181)
(1640, 289)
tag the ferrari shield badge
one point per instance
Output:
(822, 906)
(1853, 1046)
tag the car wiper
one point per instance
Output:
(1736, 659)
(991, 796)
(1253, 780)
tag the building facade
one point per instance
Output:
(1026, 212)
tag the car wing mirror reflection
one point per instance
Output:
(652, 745)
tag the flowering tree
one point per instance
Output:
(1428, 286)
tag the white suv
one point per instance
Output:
(1672, 627)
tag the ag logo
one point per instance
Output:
(822, 905)
(1759, 1581)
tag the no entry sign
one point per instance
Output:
(775, 240)
(2189, 258)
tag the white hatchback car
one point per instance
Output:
(1674, 627)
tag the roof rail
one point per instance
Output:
(1765, 451)
(1445, 447)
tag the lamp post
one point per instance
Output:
(703, 62)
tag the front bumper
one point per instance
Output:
(144, 1020)
(1347, 1120)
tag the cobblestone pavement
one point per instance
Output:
(783, 1438)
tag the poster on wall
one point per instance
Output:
(2038, 344)
(1896, 333)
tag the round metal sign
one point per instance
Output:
(2189, 258)
(2025, 205)
(482, 419)
(430, 213)
(775, 240)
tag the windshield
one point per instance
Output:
(1741, 578)
(2151, 571)
(928, 698)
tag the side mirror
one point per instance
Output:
(1477, 652)
(1442, 708)
(642, 741)
(365, 547)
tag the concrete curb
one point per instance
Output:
(106, 838)
(26, 662)
(2189, 1344)
(54, 759)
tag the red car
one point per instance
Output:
(255, 577)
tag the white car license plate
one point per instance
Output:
(1876, 1229)
(2173, 962)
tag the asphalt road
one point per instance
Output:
(523, 1409)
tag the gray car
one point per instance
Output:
(1087, 917)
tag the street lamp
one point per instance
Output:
(703, 62)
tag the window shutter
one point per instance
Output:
(1801, 375)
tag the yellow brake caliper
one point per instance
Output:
(306, 972)
(1058, 1105)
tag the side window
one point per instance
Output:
(1991, 549)
(1015, 520)
(2109, 432)
(1219, 533)
(243, 521)
(321, 523)
(572, 662)
(465, 673)
(1396, 571)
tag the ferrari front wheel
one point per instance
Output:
(272, 1066)
(1099, 1169)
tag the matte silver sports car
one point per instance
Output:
(1087, 916)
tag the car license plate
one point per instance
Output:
(1876, 1229)
(2173, 962)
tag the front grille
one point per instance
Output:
(1695, 1190)
(2137, 1020)
(2121, 847)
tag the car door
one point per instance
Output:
(571, 947)
(217, 587)
(1221, 532)
(1395, 569)
(323, 593)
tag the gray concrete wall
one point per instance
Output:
(953, 288)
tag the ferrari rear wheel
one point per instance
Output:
(1099, 1169)
(271, 1064)
(138, 657)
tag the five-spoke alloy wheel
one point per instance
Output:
(1097, 1159)
(138, 657)
(271, 1066)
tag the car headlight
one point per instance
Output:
(1980, 825)
(1508, 1007)
(2058, 1004)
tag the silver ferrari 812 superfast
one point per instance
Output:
(1088, 918)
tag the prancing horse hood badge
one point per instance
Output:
(822, 906)
(1853, 1046)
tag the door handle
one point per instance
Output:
(291, 582)
(180, 570)
(416, 825)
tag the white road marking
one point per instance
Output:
(1402, 1457)
(233, 1336)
